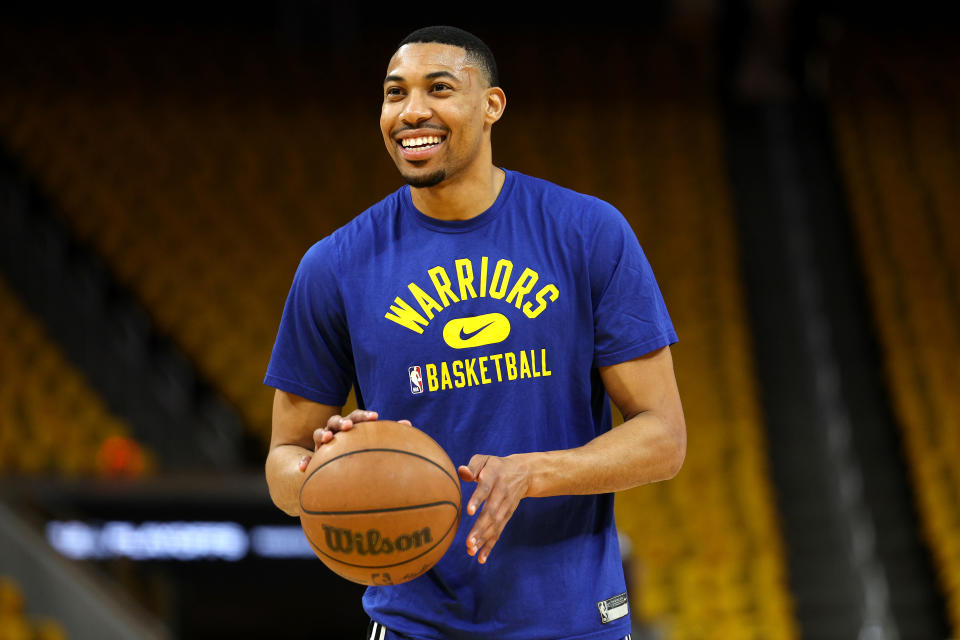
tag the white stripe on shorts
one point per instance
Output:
(377, 627)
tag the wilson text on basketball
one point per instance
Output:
(372, 542)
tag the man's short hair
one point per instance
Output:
(477, 51)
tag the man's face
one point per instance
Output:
(434, 110)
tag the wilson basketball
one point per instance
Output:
(381, 503)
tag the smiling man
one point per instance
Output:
(499, 314)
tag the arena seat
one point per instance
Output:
(203, 193)
(896, 124)
(51, 420)
(16, 623)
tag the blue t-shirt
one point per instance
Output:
(486, 334)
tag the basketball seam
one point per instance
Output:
(350, 453)
(383, 510)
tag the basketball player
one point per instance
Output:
(496, 311)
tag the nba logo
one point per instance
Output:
(416, 379)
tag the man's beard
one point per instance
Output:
(429, 180)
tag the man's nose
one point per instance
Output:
(416, 110)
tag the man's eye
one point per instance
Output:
(394, 91)
(440, 86)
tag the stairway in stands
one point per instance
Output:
(856, 563)
(896, 123)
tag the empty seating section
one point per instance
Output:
(897, 121)
(729, 568)
(51, 421)
(202, 202)
(16, 623)
(203, 194)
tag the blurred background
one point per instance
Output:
(792, 170)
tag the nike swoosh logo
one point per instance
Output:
(476, 331)
(466, 336)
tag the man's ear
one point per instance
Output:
(496, 102)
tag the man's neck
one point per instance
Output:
(461, 198)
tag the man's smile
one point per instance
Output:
(420, 144)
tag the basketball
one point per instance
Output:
(381, 503)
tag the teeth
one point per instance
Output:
(419, 142)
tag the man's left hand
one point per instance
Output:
(501, 484)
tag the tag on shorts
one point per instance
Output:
(613, 608)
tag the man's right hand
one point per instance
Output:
(336, 424)
(294, 426)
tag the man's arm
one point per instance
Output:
(649, 446)
(300, 426)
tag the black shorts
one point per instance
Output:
(376, 631)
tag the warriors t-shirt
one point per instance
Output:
(487, 334)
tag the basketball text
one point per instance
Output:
(372, 542)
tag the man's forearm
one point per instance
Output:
(647, 448)
(284, 477)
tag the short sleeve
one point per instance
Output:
(312, 356)
(629, 315)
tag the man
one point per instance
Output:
(496, 311)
